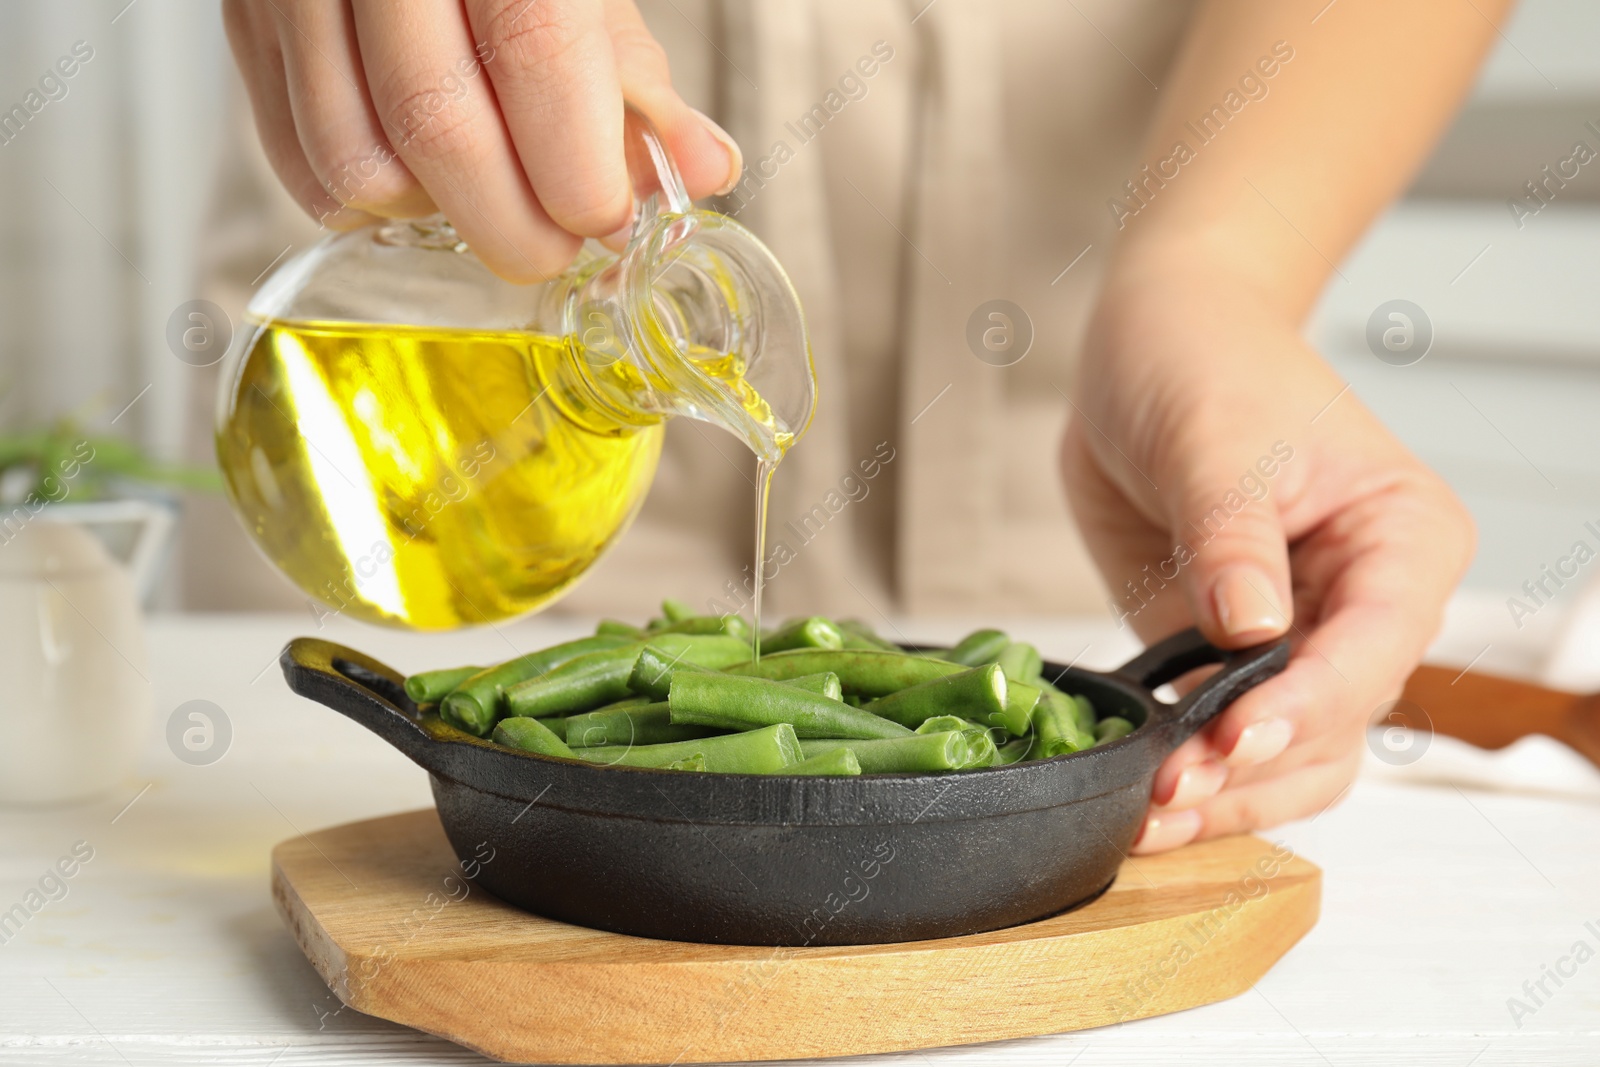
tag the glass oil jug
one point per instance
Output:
(414, 441)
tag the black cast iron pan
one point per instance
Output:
(757, 860)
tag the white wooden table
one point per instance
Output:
(1441, 900)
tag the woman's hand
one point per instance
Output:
(504, 114)
(1218, 465)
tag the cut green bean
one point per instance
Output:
(530, 735)
(1021, 662)
(1055, 725)
(979, 741)
(728, 625)
(577, 685)
(430, 687)
(858, 634)
(826, 683)
(556, 724)
(815, 632)
(676, 610)
(766, 751)
(614, 628)
(900, 755)
(730, 702)
(1087, 720)
(836, 762)
(652, 673)
(866, 674)
(1109, 730)
(977, 648)
(978, 693)
(696, 762)
(635, 724)
(477, 703)
(1014, 752)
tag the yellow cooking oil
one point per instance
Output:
(433, 478)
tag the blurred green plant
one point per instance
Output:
(62, 460)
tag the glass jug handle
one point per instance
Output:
(657, 188)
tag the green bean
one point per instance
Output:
(652, 673)
(479, 701)
(897, 755)
(530, 735)
(866, 674)
(577, 685)
(1021, 662)
(696, 762)
(635, 724)
(1108, 730)
(815, 632)
(676, 610)
(1014, 752)
(836, 762)
(1087, 720)
(979, 740)
(734, 703)
(430, 687)
(1055, 724)
(1021, 699)
(611, 627)
(729, 625)
(858, 634)
(767, 751)
(556, 724)
(978, 693)
(977, 648)
(826, 683)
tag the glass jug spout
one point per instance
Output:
(696, 317)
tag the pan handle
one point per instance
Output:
(1242, 670)
(361, 688)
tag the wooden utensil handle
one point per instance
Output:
(1482, 709)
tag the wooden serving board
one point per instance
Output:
(391, 922)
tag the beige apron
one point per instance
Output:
(907, 162)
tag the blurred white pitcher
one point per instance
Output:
(76, 708)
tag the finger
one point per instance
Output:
(708, 159)
(1231, 554)
(1306, 793)
(333, 114)
(253, 38)
(1129, 550)
(417, 57)
(556, 80)
(1388, 565)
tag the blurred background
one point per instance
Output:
(113, 221)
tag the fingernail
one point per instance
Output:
(735, 157)
(1197, 782)
(1247, 603)
(1260, 741)
(1165, 830)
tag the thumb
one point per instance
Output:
(1236, 576)
(708, 159)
